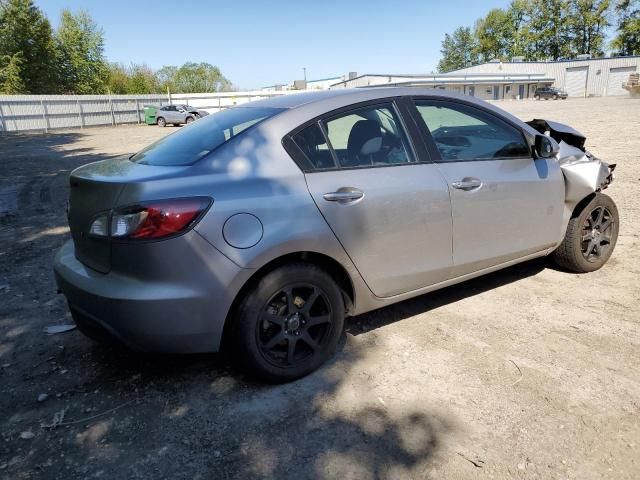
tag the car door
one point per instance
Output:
(389, 210)
(505, 204)
(176, 117)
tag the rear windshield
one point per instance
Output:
(203, 136)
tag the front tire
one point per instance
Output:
(189, 120)
(591, 236)
(537, 97)
(289, 323)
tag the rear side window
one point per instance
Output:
(313, 144)
(463, 133)
(364, 137)
(192, 143)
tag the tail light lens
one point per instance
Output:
(151, 220)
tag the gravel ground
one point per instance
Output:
(526, 373)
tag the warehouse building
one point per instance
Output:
(582, 77)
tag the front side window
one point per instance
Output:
(190, 144)
(465, 133)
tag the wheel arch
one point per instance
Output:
(325, 262)
(581, 204)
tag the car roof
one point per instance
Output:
(347, 96)
(302, 107)
(293, 100)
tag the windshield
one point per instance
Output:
(200, 138)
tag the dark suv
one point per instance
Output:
(549, 92)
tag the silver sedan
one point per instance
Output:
(261, 227)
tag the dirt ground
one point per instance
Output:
(530, 372)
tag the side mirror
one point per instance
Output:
(546, 147)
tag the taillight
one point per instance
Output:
(151, 220)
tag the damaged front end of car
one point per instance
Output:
(584, 173)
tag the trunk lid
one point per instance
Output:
(94, 189)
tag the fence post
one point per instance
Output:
(138, 111)
(4, 125)
(44, 116)
(80, 116)
(113, 117)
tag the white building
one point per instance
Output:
(513, 80)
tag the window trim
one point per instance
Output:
(453, 103)
(305, 164)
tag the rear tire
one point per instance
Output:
(591, 236)
(288, 324)
(161, 122)
(537, 97)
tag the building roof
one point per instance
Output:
(458, 78)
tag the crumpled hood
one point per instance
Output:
(583, 172)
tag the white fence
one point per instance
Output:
(47, 112)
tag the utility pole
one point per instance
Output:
(304, 70)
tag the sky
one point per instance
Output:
(260, 43)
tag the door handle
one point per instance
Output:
(344, 195)
(467, 184)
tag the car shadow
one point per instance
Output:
(439, 298)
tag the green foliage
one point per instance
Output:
(494, 34)
(25, 31)
(195, 78)
(80, 50)
(547, 30)
(189, 78)
(136, 78)
(627, 41)
(34, 60)
(588, 20)
(10, 75)
(458, 50)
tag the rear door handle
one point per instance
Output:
(344, 195)
(467, 184)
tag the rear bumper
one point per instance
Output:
(178, 307)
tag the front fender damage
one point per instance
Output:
(583, 172)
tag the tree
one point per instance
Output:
(458, 50)
(142, 79)
(627, 40)
(136, 78)
(192, 78)
(588, 20)
(24, 30)
(80, 47)
(118, 78)
(494, 34)
(520, 44)
(166, 76)
(10, 75)
(549, 32)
